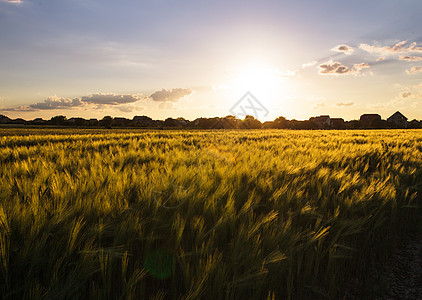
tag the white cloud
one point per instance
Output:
(381, 58)
(12, 1)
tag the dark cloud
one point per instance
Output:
(343, 48)
(410, 58)
(56, 103)
(345, 104)
(173, 95)
(110, 99)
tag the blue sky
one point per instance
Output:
(198, 58)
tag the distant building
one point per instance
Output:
(366, 119)
(337, 123)
(323, 121)
(398, 120)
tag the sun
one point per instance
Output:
(264, 82)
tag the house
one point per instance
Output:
(322, 121)
(414, 124)
(366, 119)
(398, 120)
(337, 123)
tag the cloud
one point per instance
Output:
(319, 105)
(400, 47)
(101, 100)
(381, 58)
(410, 58)
(419, 86)
(309, 64)
(336, 68)
(345, 104)
(405, 95)
(129, 108)
(343, 48)
(12, 1)
(414, 70)
(55, 102)
(333, 67)
(286, 74)
(358, 67)
(17, 108)
(173, 95)
(110, 99)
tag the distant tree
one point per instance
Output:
(107, 122)
(354, 124)
(251, 123)
(230, 122)
(170, 122)
(58, 120)
(378, 124)
(281, 122)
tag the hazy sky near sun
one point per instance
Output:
(189, 59)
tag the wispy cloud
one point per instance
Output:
(309, 64)
(405, 95)
(410, 58)
(381, 58)
(319, 105)
(345, 104)
(400, 47)
(343, 48)
(410, 95)
(336, 68)
(414, 70)
(173, 95)
(12, 1)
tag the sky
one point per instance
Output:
(190, 59)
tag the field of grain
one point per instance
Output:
(236, 214)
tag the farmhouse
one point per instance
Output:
(337, 123)
(323, 121)
(366, 119)
(398, 120)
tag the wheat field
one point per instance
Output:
(241, 214)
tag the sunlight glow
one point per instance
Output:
(266, 83)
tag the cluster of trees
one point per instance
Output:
(228, 122)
